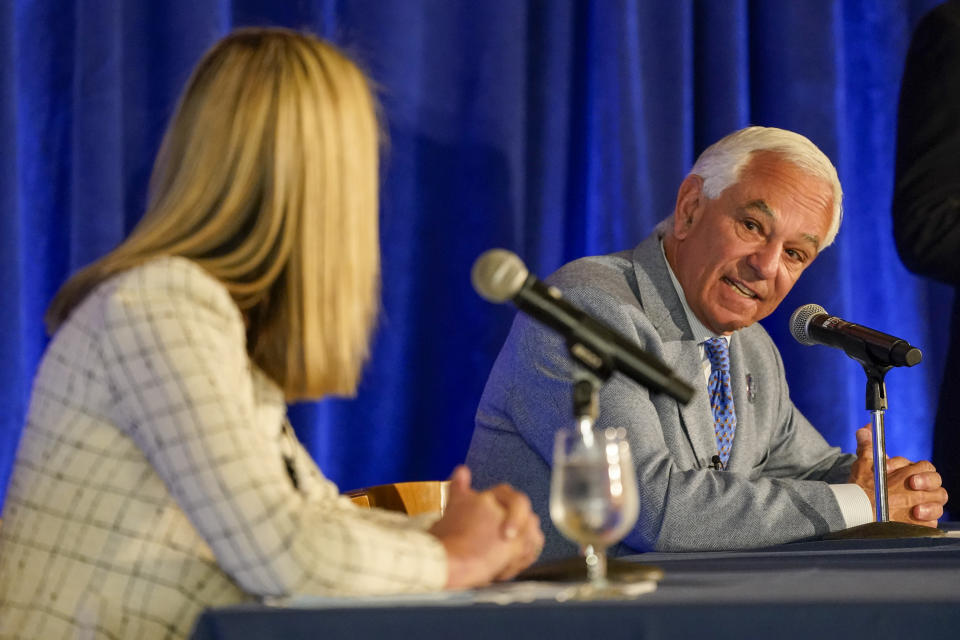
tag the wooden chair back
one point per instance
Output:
(412, 498)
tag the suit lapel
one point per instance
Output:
(744, 440)
(701, 436)
(663, 307)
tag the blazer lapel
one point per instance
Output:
(662, 306)
(703, 440)
(744, 383)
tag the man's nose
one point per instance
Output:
(765, 260)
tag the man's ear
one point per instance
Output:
(690, 201)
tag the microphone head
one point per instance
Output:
(498, 275)
(800, 321)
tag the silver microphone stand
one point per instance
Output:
(883, 527)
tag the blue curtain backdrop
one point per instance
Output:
(553, 128)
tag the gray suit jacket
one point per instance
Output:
(775, 486)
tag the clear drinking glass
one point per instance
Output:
(593, 498)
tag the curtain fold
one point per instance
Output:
(555, 129)
(13, 372)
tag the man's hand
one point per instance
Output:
(914, 493)
(489, 535)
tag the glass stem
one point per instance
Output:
(596, 566)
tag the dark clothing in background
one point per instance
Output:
(926, 201)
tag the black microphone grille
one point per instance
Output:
(498, 275)
(800, 320)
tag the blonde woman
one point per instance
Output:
(157, 474)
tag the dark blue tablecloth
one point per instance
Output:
(842, 589)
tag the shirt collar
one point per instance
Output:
(700, 332)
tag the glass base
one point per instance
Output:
(607, 591)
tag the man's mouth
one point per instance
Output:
(739, 288)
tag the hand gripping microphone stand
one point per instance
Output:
(875, 366)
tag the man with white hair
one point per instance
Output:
(738, 466)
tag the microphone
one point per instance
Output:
(810, 325)
(500, 276)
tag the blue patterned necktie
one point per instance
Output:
(721, 396)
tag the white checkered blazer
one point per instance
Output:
(149, 483)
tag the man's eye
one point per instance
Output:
(751, 225)
(796, 255)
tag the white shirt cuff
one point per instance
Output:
(854, 504)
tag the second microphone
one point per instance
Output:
(500, 276)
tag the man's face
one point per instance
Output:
(737, 256)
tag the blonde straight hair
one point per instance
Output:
(267, 179)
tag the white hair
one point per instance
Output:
(721, 164)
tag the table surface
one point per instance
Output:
(843, 589)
